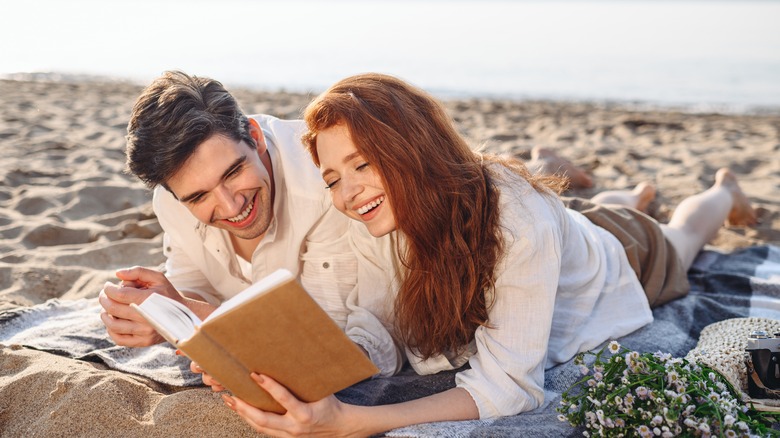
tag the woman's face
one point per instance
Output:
(355, 186)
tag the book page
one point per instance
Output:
(173, 320)
(274, 279)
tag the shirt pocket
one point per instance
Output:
(329, 274)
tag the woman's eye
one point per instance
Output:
(329, 185)
(362, 166)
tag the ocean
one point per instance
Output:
(722, 54)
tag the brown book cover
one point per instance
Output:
(275, 329)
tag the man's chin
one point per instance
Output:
(248, 233)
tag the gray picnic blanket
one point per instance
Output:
(723, 285)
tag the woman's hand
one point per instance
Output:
(207, 379)
(326, 417)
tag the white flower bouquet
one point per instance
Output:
(624, 393)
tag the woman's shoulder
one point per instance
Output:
(520, 202)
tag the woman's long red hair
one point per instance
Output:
(443, 200)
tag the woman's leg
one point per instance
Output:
(696, 220)
(639, 198)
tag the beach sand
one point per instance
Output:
(69, 217)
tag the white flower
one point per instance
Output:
(641, 392)
(656, 431)
(662, 357)
(657, 420)
(729, 420)
(743, 426)
(690, 423)
(598, 376)
(562, 417)
(614, 347)
(644, 431)
(704, 427)
(584, 370)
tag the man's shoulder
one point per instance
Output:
(299, 174)
(169, 210)
(284, 134)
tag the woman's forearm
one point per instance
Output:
(451, 405)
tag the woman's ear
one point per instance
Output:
(257, 135)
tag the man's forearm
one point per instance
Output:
(195, 303)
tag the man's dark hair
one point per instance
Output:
(174, 115)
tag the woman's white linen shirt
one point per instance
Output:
(563, 286)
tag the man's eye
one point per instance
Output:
(233, 172)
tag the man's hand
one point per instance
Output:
(125, 326)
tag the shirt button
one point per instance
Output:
(326, 265)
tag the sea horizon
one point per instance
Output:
(702, 55)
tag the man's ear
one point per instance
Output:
(257, 134)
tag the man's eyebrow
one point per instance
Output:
(346, 159)
(236, 164)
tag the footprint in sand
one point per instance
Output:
(98, 200)
(40, 284)
(34, 205)
(54, 235)
(115, 255)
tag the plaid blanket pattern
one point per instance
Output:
(723, 285)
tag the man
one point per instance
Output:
(237, 197)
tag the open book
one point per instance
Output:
(273, 327)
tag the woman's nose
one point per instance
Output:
(350, 188)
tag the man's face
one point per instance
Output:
(225, 184)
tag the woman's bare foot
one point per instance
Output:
(741, 214)
(546, 161)
(639, 198)
(644, 193)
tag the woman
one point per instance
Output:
(469, 258)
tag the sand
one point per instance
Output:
(69, 217)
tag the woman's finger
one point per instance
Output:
(265, 422)
(279, 393)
